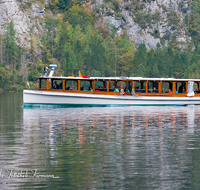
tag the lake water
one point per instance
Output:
(155, 147)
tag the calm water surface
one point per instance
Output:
(98, 148)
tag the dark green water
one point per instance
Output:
(98, 148)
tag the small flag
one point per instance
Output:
(80, 75)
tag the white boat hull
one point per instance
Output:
(33, 97)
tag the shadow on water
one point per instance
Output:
(101, 147)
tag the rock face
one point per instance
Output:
(154, 23)
(10, 10)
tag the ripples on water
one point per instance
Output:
(100, 148)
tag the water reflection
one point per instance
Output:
(143, 147)
(100, 148)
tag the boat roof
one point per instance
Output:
(121, 78)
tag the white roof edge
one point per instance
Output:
(121, 78)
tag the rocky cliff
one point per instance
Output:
(22, 16)
(146, 21)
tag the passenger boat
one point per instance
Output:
(112, 91)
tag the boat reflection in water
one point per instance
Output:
(121, 147)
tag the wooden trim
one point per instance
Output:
(107, 86)
(63, 84)
(47, 83)
(174, 87)
(186, 86)
(93, 83)
(146, 85)
(118, 93)
(39, 84)
(159, 87)
(79, 85)
(133, 84)
(81, 92)
(121, 85)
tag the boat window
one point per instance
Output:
(114, 86)
(111, 86)
(166, 87)
(71, 85)
(43, 83)
(140, 87)
(56, 84)
(130, 86)
(86, 85)
(196, 87)
(126, 85)
(180, 87)
(100, 86)
(153, 87)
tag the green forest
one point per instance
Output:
(72, 39)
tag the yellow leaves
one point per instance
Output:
(67, 23)
(2, 70)
(59, 18)
(87, 7)
(76, 9)
(34, 40)
(82, 12)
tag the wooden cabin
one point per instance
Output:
(127, 86)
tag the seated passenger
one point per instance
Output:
(176, 91)
(60, 86)
(90, 88)
(55, 85)
(84, 89)
(116, 90)
(125, 90)
(180, 90)
(138, 90)
(155, 90)
(196, 91)
(183, 91)
(68, 88)
(169, 91)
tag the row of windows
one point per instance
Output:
(153, 87)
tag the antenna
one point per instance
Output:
(52, 70)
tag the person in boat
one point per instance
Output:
(126, 90)
(90, 88)
(180, 90)
(55, 86)
(68, 88)
(169, 91)
(183, 91)
(155, 90)
(138, 89)
(115, 89)
(60, 86)
(84, 89)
